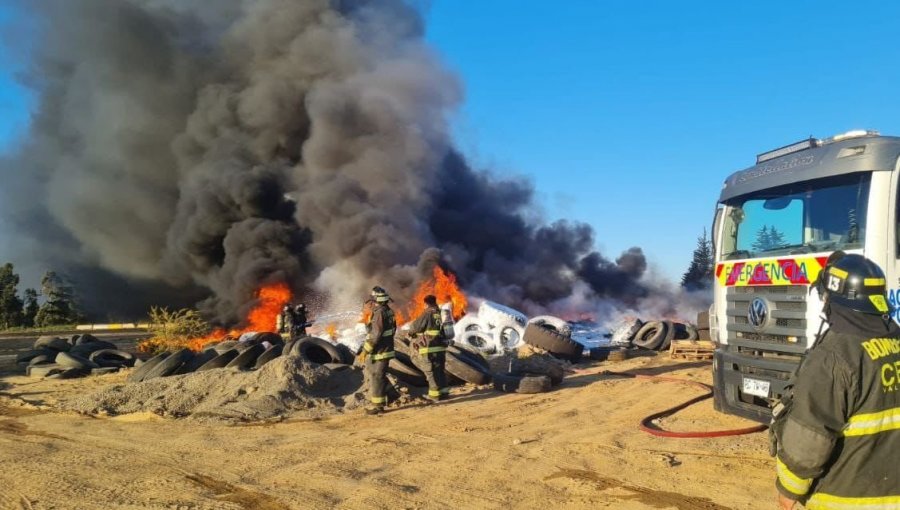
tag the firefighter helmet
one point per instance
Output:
(855, 282)
(380, 295)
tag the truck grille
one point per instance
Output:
(786, 309)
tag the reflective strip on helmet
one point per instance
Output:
(873, 423)
(873, 282)
(830, 502)
(383, 356)
(431, 350)
(840, 273)
(388, 332)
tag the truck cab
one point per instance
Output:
(776, 223)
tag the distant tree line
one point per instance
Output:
(58, 306)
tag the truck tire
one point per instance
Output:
(270, 354)
(473, 334)
(651, 335)
(27, 356)
(508, 335)
(471, 355)
(87, 348)
(494, 314)
(43, 359)
(219, 361)
(112, 358)
(553, 323)
(224, 346)
(272, 338)
(43, 370)
(402, 367)
(670, 335)
(70, 373)
(201, 358)
(52, 342)
(85, 339)
(625, 331)
(554, 343)
(691, 332)
(247, 359)
(169, 365)
(609, 353)
(72, 360)
(527, 384)
(318, 350)
(463, 368)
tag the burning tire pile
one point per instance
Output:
(64, 358)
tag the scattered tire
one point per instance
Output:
(670, 335)
(43, 359)
(691, 332)
(247, 358)
(554, 343)
(552, 370)
(267, 356)
(403, 369)
(288, 348)
(43, 370)
(87, 348)
(70, 373)
(703, 320)
(112, 358)
(347, 356)
(52, 342)
(528, 384)
(552, 323)
(73, 360)
(318, 350)
(625, 331)
(472, 333)
(223, 347)
(271, 338)
(508, 335)
(219, 361)
(495, 314)
(104, 370)
(27, 356)
(465, 369)
(169, 365)
(471, 355)
(651, 335)
(200, 359)
(611, 353)
(85, 339)
(141, 371)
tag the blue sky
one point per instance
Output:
(629, 115)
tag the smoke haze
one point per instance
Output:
(186, 150)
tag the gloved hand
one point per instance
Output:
(361, 357)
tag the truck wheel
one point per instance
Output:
(318, 350)
(670, 335)
(247, 358)
(403, 369)
(553, 342)
(651, 335)
(553, 323)
(462, 367)
(527, 384)
(71, 360)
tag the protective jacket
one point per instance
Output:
(284, 323)
(429, 325)
(380, 338)
(839, 442)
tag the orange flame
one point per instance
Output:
(270, 300)
(444, 287)
(331, 331)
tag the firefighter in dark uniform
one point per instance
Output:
(430, 348)
(285, 322)
(837, 439)
(378, 349)
(300, 321)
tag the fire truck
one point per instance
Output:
(775, 225)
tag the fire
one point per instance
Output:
(331, 331)
(444, 287)
(270, 300)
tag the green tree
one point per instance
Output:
(59, 302)
(763, 239)
(699, 275)
(10, 304)
(31, 308)
(776, 238)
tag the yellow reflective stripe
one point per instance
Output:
(840, 273)
(383, 355)
(433, 332)
(429, 350)
(388, 332)
(873, 282)
(367, 347)
(829, 502)
(790, 481)
(379, 400)
(873, 423)
(434, 393)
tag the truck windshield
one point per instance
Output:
(822, 215)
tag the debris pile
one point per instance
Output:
(80, 355)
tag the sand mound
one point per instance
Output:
(283, 386)
(529, 359)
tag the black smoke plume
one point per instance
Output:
(190, 147)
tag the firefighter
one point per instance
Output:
(300, 321)
(378, 349)
(430, 348)
(838, 437)
(284, 323)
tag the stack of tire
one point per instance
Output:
(703, 326)
(553, 335)
(494, 329)
(252, 353)
(54, 357)
(658, 335)
(462, 366)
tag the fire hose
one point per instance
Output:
(647, 425)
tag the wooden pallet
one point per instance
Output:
(692, 349)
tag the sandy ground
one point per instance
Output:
(575, 447)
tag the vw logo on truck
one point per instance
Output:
(758, 313)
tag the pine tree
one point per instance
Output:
(763, 239)
(31, 308)
(776, 238)
(699, 275)
(10, 304)
(59, 305)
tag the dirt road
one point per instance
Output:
(575, 447)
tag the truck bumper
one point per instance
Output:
(729, 370)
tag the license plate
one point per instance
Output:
(756, 387)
